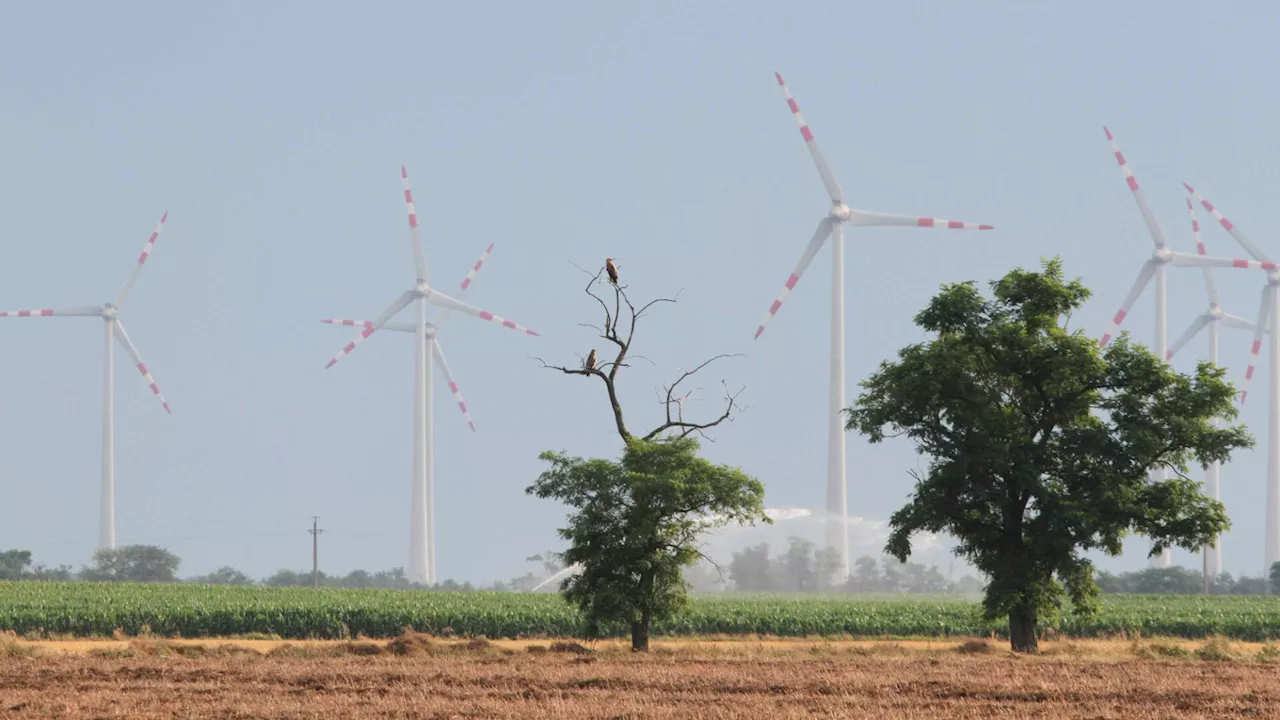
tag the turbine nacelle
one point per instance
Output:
(1162, 255)
(1215, 311)
(841, 212)
(110, 311)
(430, 330)
(1273, 278)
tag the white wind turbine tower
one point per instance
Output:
(1268, 311)
(833, 226)
(422, 549)
(1154, 267)
(114, 330)
(1211, 318)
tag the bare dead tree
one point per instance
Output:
(619, 329)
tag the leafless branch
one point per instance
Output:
(677, 421)
(621, 336)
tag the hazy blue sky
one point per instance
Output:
(273, 133)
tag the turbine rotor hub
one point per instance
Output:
(1273, 278)
(1215, 312)
(110, 311)
(841, 212)
(1162, 255)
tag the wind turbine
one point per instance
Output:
(1154, 267)
(833, 226)
(1211, 318)
(422, 549)
(114, 330)
(1268, 311)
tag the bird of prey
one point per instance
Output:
(612, 269)
(590, 364)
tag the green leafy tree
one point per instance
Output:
(636, 526)
(1274, 577)
(1040, 445)
(133, 563)
(224, 575)
(636, 521)
(14, 564)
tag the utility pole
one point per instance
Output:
(315, 550)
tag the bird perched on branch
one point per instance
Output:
(590, 363)
(612, 269)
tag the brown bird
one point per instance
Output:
(612, 269)
(590, 364)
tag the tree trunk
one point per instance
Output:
(640, 634)
(1022, 630)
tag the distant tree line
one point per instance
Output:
(1181, 581)
(802, 567)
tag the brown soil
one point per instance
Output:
(419, 677)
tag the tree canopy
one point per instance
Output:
(1039, 444)
(636, 524)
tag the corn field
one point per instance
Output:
(100, 609)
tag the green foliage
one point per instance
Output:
(132, 563)
(1040, 445)
(636, 523)
(806, 568)
(14, 564)
(98, 609)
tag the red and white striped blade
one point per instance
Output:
(1209, 285)
(348, 323)
(142, 260)
(449, 303)
(466, 282)
(1227, 225)
(862, 218)
(1157, 235)
(81, 311)
(1264, 312)
(453, 385)
(828, 177)
(400, 303)
(419, 260)
(825, 226)
(396, 326)
(123, 337)
(1196, 326)
(1204, 261)
(1144, 277)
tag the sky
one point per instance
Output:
(654, 133)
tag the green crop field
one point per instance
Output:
(93, 609)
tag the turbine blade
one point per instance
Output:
(1210, 286)
(453, 386)
(1238, 322)
(1203, 261)
(400, 303)
(825, 226)
(1196, 326)
(862, 218)
(1245, 242)
(142, 260)
(419, 260)
(123, 338)
(466, 283)
(1157, 235)
(1264, 312)
(450, 303)
(1144, 277)
(396, 326)
(828, 177)
(81, 311)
